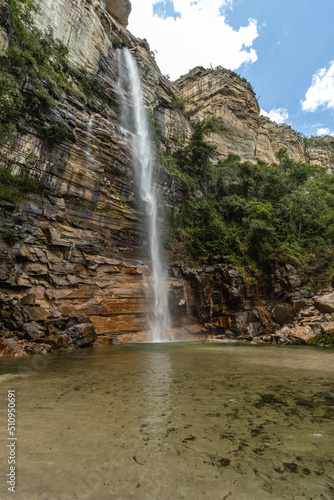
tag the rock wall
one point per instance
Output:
(120, 9)
(244, 132)
(89, 29)
(77, 253)
(81, 248)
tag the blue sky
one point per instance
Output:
(285, 48)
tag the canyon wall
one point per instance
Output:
(81, 248)
(219, 92)
(77, 248)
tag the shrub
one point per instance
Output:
(11, 100)
(54, 133)
(14, 187)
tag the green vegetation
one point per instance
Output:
(323, 339)
(32, 73)
(54, 133)
(114, 214)
(35, 73)
(177, 102)
(31, 51)
(92, 87)
(261, 215)
(11, 101)
(28, 46)
(15, 187)
(318, 142)
(9, 237)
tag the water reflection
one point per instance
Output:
(156, 389)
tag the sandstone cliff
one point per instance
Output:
(244, 132)
(75, 247)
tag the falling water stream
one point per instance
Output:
(134, 117)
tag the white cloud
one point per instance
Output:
(324, 131)
(321, 92)
(278, 115)
(200, 37)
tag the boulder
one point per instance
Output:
(325, 303)
(16, 316)
(120, 9)
(65, 322)
(295, 335)
(81, 335)
(32, 348)
(10, 347)
(54, 341)
(34, 330)
(28, 300)
(327, 327)
(299, 305)
(283, 314)
(252, 330)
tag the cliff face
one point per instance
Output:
(243, 131)
(88, 29)
(76, 248)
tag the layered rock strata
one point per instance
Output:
(80, 248)
(219, 92)
(76, 252)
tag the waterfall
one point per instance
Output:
(134, 116)
(72, 247)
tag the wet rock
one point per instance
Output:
(33, 348)
(325, 303)
(81, 335)
(55, 341)
(252, 330)
(10, 347)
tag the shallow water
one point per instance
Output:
(172, 421)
